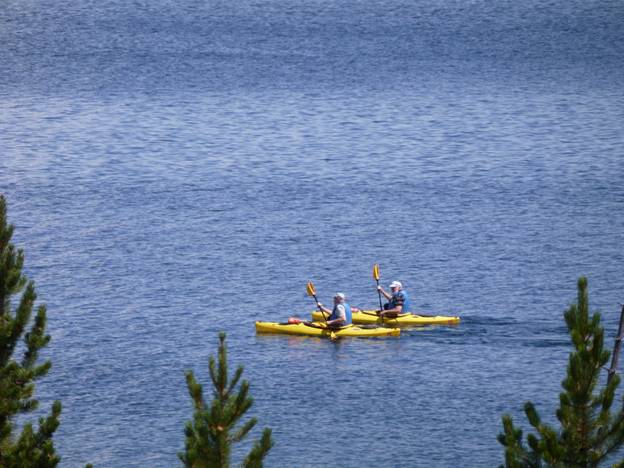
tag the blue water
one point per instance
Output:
(175, 169)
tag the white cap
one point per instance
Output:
(340, 295)
(396, 284)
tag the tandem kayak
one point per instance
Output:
(371, 317)
(319, 329)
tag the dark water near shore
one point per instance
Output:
(175, 169)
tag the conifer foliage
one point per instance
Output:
(589, 432)
(211, 433)
(19, 369)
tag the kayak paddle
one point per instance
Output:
(376, 276)
(312, 292)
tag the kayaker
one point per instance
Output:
(398, 300)
(340, 316)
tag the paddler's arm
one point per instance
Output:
(396, 310)
(324, 309)
(385, 294)
(336, 321)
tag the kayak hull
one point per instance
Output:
(306, 330)
(370, 317)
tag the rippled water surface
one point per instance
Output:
(175, 169)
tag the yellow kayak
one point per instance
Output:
(370, 317)
(319, 329)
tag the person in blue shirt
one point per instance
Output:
(398, 300)
(340, 315)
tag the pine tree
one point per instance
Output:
(211, 433)
(18, 362)
(589, 433)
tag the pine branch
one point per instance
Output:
(17, 380)
(214, 376)
(259, 451)
(615, 432)
(208, 440)
(588, 432)
(47, 426)
(222, 377)
(242, 402)
(235, 379)
(242, 432)
(17, 325)
(36, 338)
(195, 391)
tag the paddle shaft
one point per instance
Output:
(376, 276)
(319, 308)
(379, 294)
(312, 292)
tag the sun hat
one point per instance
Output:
(396, 284)
(340, 295)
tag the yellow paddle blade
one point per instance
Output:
(376, 272)
(310, 289)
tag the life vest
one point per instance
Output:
(334, 315)
(407, 304)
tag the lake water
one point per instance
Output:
(175, 169)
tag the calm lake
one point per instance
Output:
(178, 168)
